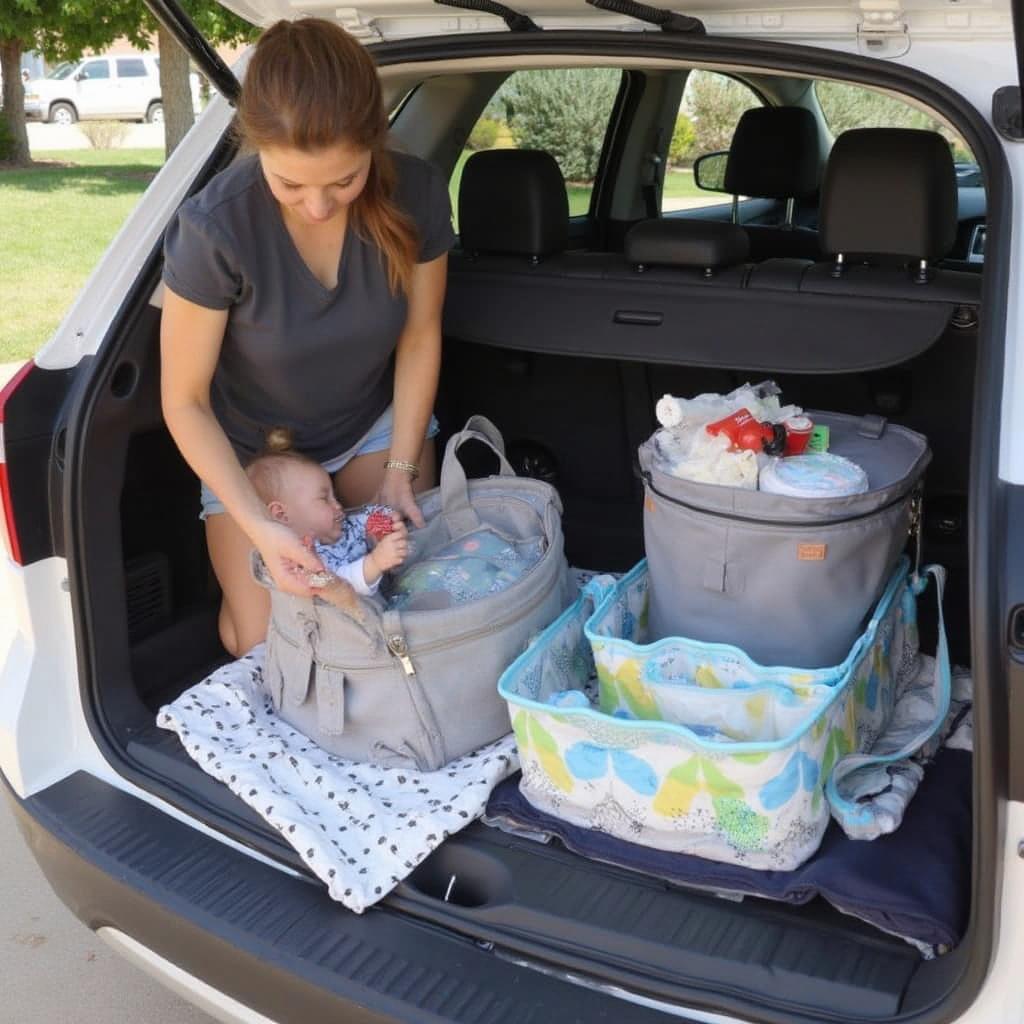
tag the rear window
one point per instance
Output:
(709, 111)
(564, 111)
(130, 67)
(94, 69)
(847, 106)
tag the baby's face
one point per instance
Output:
(310, 504)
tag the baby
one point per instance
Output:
(298, 492)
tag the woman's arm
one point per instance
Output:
(417, 367)
(190, 342)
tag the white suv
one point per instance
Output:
(116, 607)
(121, 87)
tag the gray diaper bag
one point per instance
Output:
(418, 688)
(789, 580)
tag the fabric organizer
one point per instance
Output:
(695, 748)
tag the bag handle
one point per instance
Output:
(455, 504)
(864, 820)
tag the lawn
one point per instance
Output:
(58, 220)
(56, 223)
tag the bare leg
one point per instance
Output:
(358, 482)
(245, 608)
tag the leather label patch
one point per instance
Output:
(649, 504)
(811, 552)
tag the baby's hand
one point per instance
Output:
(392, 550)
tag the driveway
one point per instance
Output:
(53, 967)
(58, 136)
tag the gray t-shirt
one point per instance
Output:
(296, 354)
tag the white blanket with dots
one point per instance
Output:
(359, 828)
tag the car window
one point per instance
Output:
(62, 70)
(847, 106)
(709, 111)
(564, 111)
(131, 67)
(96, 69)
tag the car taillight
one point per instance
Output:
(8, 526)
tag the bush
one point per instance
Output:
(104, 134)
(683, 138)
(484, 134)
(715, 104)
(564, 112)
(853, 106)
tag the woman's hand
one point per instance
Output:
(288, 560)
(396, 491)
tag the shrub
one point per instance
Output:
(484, 134)
(104, 134)
(715, 104)
(683, 137)
(564, 112)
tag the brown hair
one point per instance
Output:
(310, 85)
(265, 471)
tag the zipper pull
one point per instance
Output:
(398, 647)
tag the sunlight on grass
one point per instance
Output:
(57, 221)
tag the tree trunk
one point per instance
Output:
(14, 103)
(175, 90)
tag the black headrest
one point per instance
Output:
(889, 192)
(686, 243)
(774, 154)
(513, 201)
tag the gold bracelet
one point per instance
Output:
(406, 467)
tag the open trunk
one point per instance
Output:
(574, 415)
(576, 420)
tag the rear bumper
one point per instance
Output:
(267, 941)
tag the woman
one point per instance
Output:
(304, 288)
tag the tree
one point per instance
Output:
(683, 137)
(715, 104)
(564, 112)
(853, 106)
(220, 27)
(60, 30)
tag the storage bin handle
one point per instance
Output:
(871, 815)
(455, 504)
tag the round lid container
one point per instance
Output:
(819, 475)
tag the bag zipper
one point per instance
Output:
(399, 648)
(915, 493)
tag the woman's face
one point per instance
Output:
(316, 186)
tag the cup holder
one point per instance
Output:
(461, 877)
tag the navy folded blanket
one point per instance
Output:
(914, 883)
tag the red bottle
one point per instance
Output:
(747, 434)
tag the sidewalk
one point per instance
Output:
(43, 137)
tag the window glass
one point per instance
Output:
(562, 111)
(847, 106)
(711, 106)
(130, 67)
(61, 70)
(96, 69)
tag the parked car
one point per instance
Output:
(566, 350)
(114, 87)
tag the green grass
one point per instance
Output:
(57, 221)
(679, 185)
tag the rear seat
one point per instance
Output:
(775, 154)
(513, 285)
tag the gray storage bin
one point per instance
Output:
(789, 580)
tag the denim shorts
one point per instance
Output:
(376, 439)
